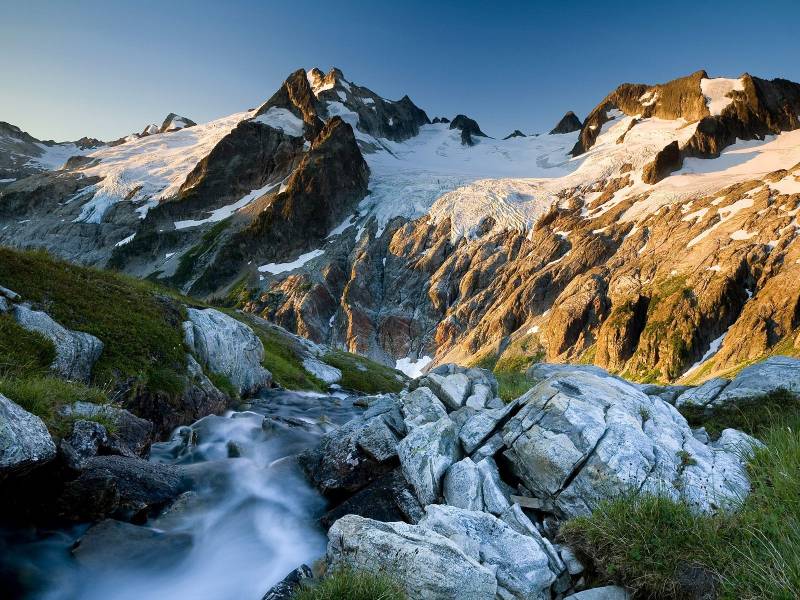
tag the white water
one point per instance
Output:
(253, 518)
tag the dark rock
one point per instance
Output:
(175, 122)
(286, 588)
(515, 133)
(697, 582)
(123, 545)
(131, 435)
(120, 486)
(339, 466)
(85, 440)
(468, 127)
(568, 123)
(667, 160)
(387, 499)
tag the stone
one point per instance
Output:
(25, 442)
(492, 446)
(124, 545)
(86, 438)
(132, 435)
(609, 592)
(581, 438)
(338, 466)
(495, 493)
(463, 486)
(702, 395)
(481, 394)
(427, 564)
(452, 390)
(421, 406)
(9, 294)
(321, 370)
(228, 347)
(774, 374)
(479, 427)
(520, 563)
(574, 566)
(389, 498)
(377, 440)
(425, 455)
(76, 352)
(285, 589)
(117, 485)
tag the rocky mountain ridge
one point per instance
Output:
(635, 240)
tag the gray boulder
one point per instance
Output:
(425, 455)
(702, 395)
(84, 441)
(421, 406)
(228, 347)
(775, 373)
(520, 563)
(24, 440)
(429, 565)
(463, 486)
(609, 592)
(580, 438)
(321, 370)
(76, 352)
(453, 390)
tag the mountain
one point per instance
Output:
(657, 239)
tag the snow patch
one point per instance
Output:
(282, 119)
(276, 268)
(413, 367)
(716, 92)
(222, 213)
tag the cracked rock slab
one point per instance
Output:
(581, 438)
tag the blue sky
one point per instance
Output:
(105, 69)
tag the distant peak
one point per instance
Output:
(174, 122)
(568, 123)
(515, 133)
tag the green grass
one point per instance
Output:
(45, 395)
(755, 416)
(223, 384)
(645, 543)
(364, 375)
(138, 323)
(512, 382)
(346, 584)
(23, 351)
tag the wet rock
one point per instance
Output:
(76, 352)
(389, 498)
(228, 347)
(121, 486)
(340, 466)
(425, 455)
(25, 442)
(286, 588)
(124, 545)
(427, 564)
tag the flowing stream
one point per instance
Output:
(251, 515)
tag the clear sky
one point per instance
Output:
(107, 68)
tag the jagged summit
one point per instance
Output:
(174, 122)
(568, 123)
(513, 134)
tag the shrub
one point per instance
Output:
(347, 584)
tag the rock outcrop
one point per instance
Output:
(228, 347)
(468, 127)
(76, 352)
(495, 482)
(568, 123)
(25, 442)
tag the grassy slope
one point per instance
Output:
(646, 543)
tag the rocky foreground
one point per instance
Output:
(458, 495)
